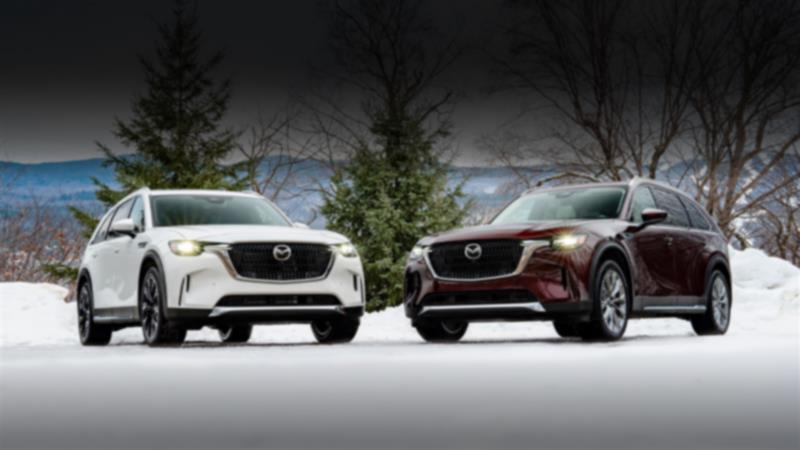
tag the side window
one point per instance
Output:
(670, 203)
(697, 217)
(100, 234)
(642, 199)
(137, 214)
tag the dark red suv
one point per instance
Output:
(587, 257)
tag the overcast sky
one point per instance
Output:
(68, 68)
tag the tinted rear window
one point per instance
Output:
(670, 203)
(696, 216)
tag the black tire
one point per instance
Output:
(236, 334)
(611, 305)
(710, 323)
(156, 329)
(441, 330)
(566, 329)
(89, 332)
(335, 331)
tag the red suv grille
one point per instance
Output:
(495, 258)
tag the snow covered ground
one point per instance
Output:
(505, 385)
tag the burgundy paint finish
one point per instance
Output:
(666, 261)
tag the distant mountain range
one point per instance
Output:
(69, 183)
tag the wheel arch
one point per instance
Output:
(83, 277)
(718, 261)
(616, 252)
(150, 259)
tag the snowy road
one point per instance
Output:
(669, 390)
(507, 385)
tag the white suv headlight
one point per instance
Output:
(346, 249)
(185, 247)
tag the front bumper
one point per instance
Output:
(197, 284)
(261, 314)
(549, 285)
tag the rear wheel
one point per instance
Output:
(718, 307)
(152, 302)
(611, 305)
(90, 333)
(441, 330)
(335, 331)
(236, 334)
(566, 329)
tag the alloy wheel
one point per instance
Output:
(613, 301)
(323, 328)
(84, 312)
(720, 303)
(151, 315)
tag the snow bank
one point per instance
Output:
(35, 313)
(766, 300)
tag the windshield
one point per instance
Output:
(177, 210)
(565, 204)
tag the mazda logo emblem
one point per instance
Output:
(473, 251)
(282, 252)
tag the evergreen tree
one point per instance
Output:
(393, 191)
(175, 130)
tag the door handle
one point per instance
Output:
(668, 240)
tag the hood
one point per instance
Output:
(528, 230)
(256, 233)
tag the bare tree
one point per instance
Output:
(618, 76)
(748, 112)
(275, 154)
(778, 230)
(34, 234)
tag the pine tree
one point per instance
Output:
(394, 190)
(175, 130)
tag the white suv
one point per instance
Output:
(174, 260)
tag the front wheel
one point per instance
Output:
(611, 305)
(90, 333)
(335, 331)
(441, 330)
(152, 302)
(236, 334)
(718, 307)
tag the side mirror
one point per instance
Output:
(300, 225)
(652, 216)
(123, 227)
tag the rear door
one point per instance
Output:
(699, 252)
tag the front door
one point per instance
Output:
(651, 250)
